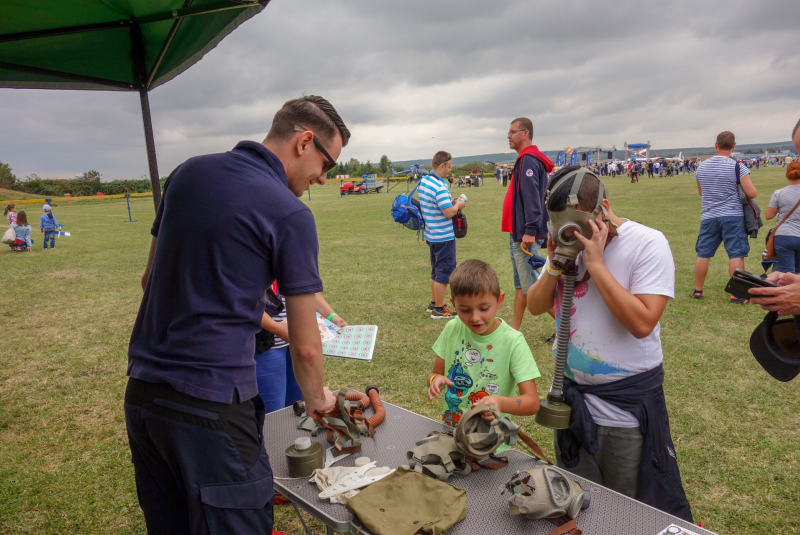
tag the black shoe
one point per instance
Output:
(430, 308)
(550, 339)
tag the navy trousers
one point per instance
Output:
(200, 466)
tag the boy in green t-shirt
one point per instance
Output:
(479, 357)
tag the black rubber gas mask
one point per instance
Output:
(564, 223)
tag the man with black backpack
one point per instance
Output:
(438, 210)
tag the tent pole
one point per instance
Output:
(140, 75)
(151, 146)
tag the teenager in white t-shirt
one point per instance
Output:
(626, 276)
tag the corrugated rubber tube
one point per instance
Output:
(377, 404)
(563, 336)
(362, 399)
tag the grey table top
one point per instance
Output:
(487, 511)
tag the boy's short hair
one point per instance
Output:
(439, 158)
(587, 194)
(474, 277)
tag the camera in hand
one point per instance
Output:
(742, 281)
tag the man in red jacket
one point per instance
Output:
(524, 215)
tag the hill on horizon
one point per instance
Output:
(508, 157)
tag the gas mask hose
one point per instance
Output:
(556, 393)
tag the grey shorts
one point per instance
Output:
(524, 274)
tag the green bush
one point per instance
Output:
(86, 185)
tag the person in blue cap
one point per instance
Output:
(48, 224)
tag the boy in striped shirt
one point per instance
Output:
(438, 209)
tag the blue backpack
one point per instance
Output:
(406, 211)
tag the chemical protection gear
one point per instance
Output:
(438, 456)
(544, 492)
(471, 447)
(480, 438)
(564, 223)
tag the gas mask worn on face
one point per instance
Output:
(563, 224)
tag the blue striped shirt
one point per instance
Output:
(720, 193)
(434, 196)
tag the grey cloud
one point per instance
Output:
(674, 72)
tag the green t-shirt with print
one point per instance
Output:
(481, 366)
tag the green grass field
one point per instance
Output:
(67, 315)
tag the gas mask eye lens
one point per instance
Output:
(566, 234)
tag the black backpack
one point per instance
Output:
(460, 224)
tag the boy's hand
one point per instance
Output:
(438, 382)
(282, 331)
(593, 248)
(489, 401)
(339, 322)
(551, 248)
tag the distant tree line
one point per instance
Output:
(89, 183)
(383, 168)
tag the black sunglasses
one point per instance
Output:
(331, 162)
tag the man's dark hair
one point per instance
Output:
(525, 123)
(474, 277)
(439, 158)
(311, 112)
(796, 128)
(726, 140)
(587, 194)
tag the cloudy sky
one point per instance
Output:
(412, 77)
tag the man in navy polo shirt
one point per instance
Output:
(228, 226)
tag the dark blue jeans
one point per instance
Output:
(275, 376)
(51, 235)
(201, 467)
(788, 250)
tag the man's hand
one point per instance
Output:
(593, 249)
(528, 240)
(785, 299)
(325, 405)
(438, 382)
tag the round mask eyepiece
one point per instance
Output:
(565, 239)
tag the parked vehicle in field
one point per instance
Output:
(370, 184)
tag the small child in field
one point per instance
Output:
(10, 211)
(479, 357)
(49, 225)
(23, 229)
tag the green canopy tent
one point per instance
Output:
(113, 45)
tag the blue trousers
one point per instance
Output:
(275, 376)
(51, 235)
(788, 250)
(201, 467)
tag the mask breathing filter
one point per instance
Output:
(553, 412)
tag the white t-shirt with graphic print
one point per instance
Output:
(601, 350)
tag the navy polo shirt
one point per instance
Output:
(227, 227)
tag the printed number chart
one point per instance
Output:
(354, 342)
